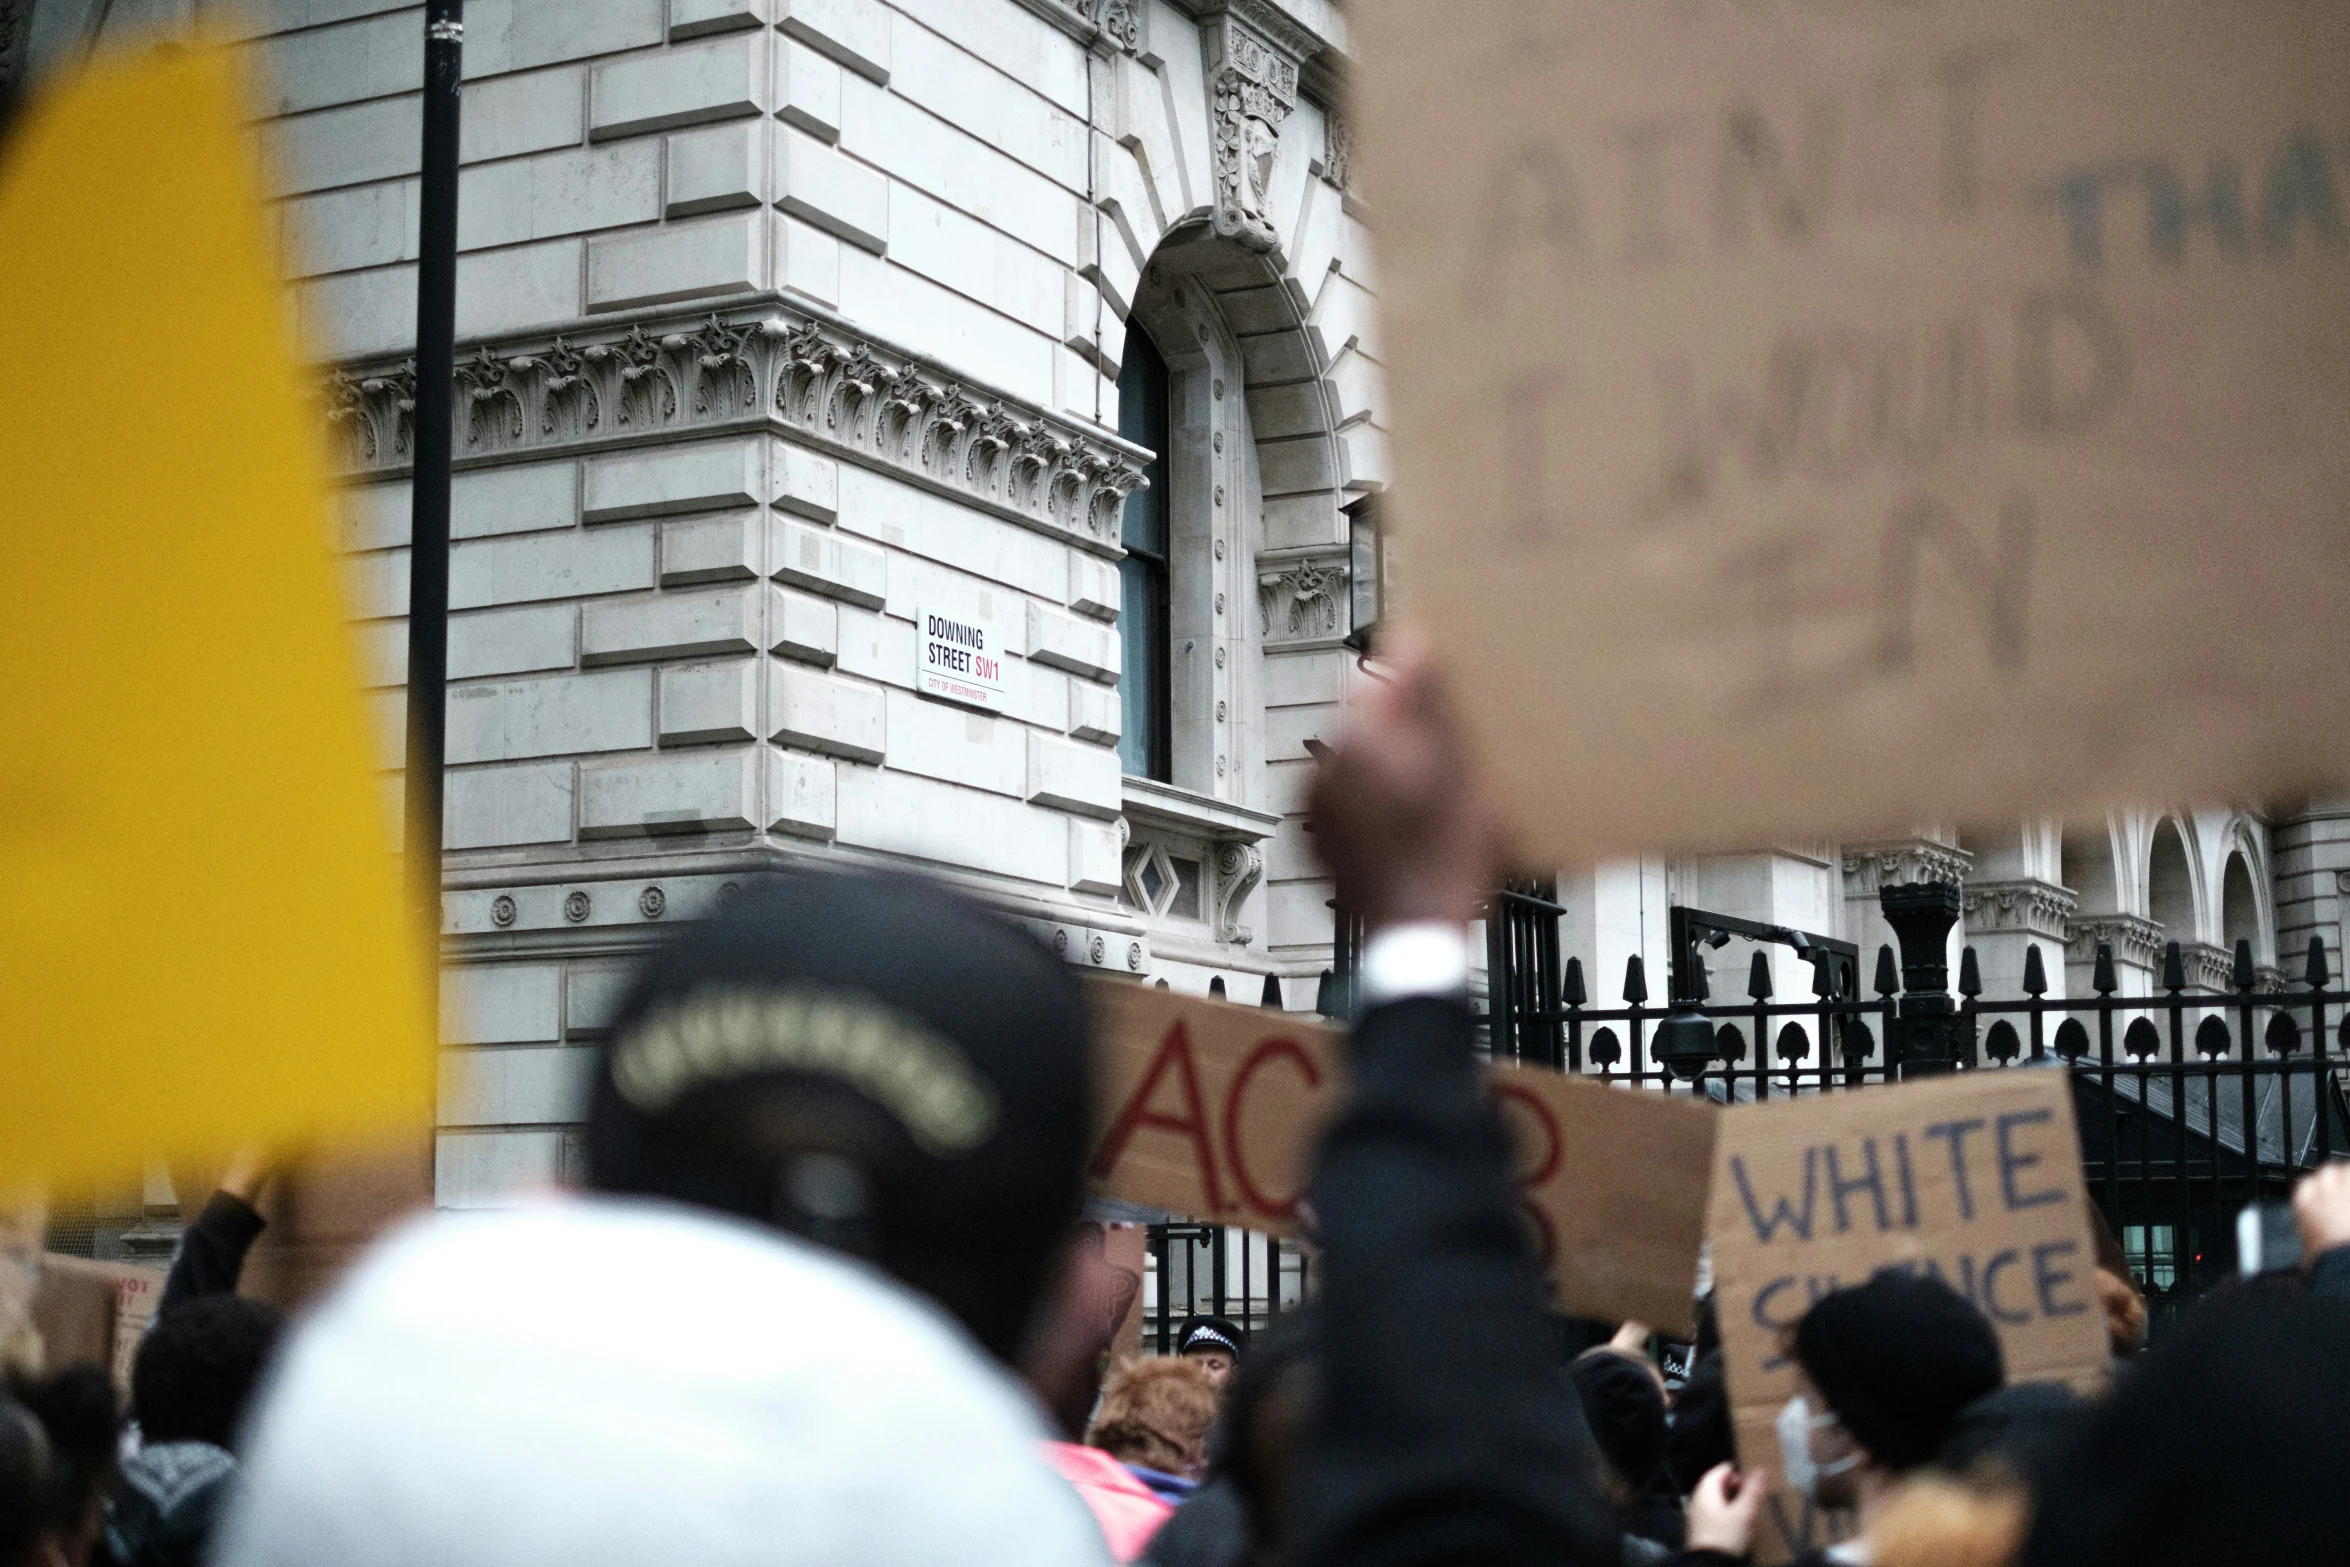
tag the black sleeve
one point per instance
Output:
(1447, 1430)
(212, 1252)
(2329, 1274)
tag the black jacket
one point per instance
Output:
(212, 1252)
(1447, 1431)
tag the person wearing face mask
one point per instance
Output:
(1883, 1371)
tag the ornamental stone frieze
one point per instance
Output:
(1871, 867)
(779, 370)
(2037, 908)
(2207, 967)
(1254, 51)
(1303, 600)
(2133, 938)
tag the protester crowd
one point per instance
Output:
(822, 1298)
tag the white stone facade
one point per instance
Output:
(781, 319)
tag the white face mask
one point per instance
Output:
(1796, 1424)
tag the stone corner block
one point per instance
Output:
(806, 483)
(709, 704)
(1093, 858)
(691, 792)
(703, 18)
(725, 255)
(691, 625)
(826, 713)
(803, 627)
(799, 794)
(710, 549)
(657, 92)
(704, 476)
(854, 32)
(1072, 776)
(808, 95)
(825, 190)
(1081, 647)
(714, 170)
(1093, 586)
(1095, 715)
(824, 562)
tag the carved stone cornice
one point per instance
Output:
(1870, 867)
(2134, 939)
(2029, 906)
(1254, 52)
(2208, 967)
(770, 367)
(1300, 599)
(1106, 23)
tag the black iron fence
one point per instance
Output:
(2192, 1102)
(1221, 1270)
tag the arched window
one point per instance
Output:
(2239, 906)
(2170, 889)
(1144, 742)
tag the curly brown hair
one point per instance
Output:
(1156, 1413)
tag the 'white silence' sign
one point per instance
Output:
(958, 658)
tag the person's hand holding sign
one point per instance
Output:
(1399, 818)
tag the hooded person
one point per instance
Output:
(834, 1140)
(194, 1375)
(1624, 1405)
(1884, 1372)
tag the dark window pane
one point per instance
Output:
(1143, 613)
(1186, 899)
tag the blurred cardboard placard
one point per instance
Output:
(1813, 419)
(206, 940)
(1213, 1110)
(1974, 1178)
(95, 1311)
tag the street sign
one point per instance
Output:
(958, 657)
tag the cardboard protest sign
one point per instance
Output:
(1975, 1178)
(95, 1311)
(136, 1300)
(1812, 419)
(205, 935)
(1212, 1110)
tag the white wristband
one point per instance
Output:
(1423, 958)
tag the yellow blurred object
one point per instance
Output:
(203, 940)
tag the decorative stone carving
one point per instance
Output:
(773, 370)
(1119, 20)
(2208, 967)
(1304, 599)
(1253, 88)
(1870, 867)
(373, 415)
(2036, 907)
(2134, 939)
(1239, 867)
(1337, 149)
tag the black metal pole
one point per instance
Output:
(428, 536)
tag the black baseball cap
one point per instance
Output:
(869, 1060)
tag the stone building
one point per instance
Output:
(793, 331)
